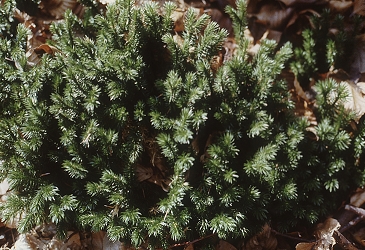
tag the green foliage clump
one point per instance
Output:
(125, 92)
(326, 45)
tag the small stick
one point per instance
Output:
(357, 210)
(291, 237)
(351, 224)
(191, 242)
(343, 242)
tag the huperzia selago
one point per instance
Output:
(129, 129)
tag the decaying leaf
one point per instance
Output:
(97, 241)
(224, 245)
(359, 7)
(340, 6)
(107, 1)
(323, 235)
(359, 236)
(358, 62)
(25, 243)
(4, 192)
(143, 173)
(178, 18)
(34, 55)
(305, 246)
(264, 240)
(46, 231)
(189, 247)
(221, 18)
(56, 8)
(356, 98)
(358, 198)
(4, 188)
(299, 2)
(343, 242)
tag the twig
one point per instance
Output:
(351, 224)
(69, 237)
(291, 237)
(357, 210)
(343, 242)
(192, 242)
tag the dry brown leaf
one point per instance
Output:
(264, 240)
(56, 8)
(189, 247)
(32, 241)
(4, 187)
(45, 48)
(143, 173)
(274, 35)
(355, 100)
(109, 245)
(271, 16)
(224, 245)
(302, 19)
(300, 2)
(177, 17)
(305, 246)
(343, 242)
(46, 230)
(107, 1)
(34, 55)
(147, 174)
(358, 62)
(274, 16)
(359, 236)
(25, 243)
(164, 183)
(324, 236)
(221, 18)
(359, 7)
(304, 102)
(338, 6)
(358, 198)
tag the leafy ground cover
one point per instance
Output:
(301, 23)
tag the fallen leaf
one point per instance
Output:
(356, 99)
(340, 6)
(224, 245)
(342, 242)
(300, 2)
(359, 7)
(264, 240)
(109, 245)
(324, 236)
(107, 1)
(189, 247)
(305, 246)
(23, 243)
(143, 173)
(56, 8)
(271, 16)
(177, 17)
(221, 18)
(358, 198)
(4, 187)
(358, 62)
(34, 55)
(359, 236)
